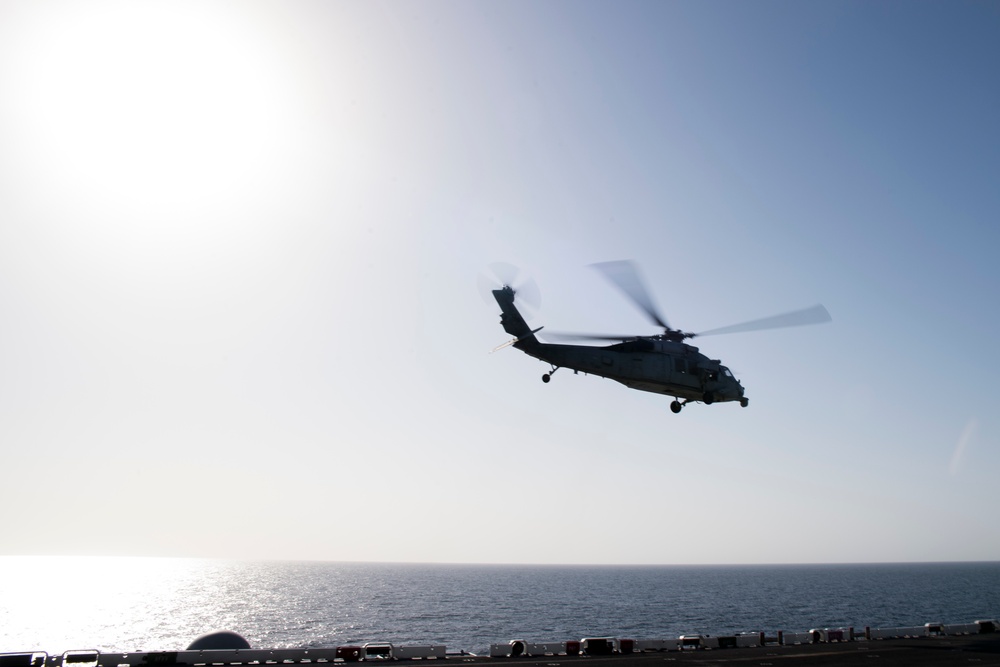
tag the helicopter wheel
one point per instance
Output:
(709, 398)
(546, 378)
(744, 402)
(675, 407)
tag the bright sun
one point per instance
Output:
(153, 119)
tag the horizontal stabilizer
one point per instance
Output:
(515, 340)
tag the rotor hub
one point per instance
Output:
(675, 335)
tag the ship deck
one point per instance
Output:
(969, 650)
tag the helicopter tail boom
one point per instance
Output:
(512, 320)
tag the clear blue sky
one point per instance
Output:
(239, 249)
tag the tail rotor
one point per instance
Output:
(503, 274)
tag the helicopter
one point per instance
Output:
(660, 363)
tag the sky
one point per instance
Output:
(240, 245)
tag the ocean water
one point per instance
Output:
(145, 604)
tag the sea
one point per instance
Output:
(55, 604)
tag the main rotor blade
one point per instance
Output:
(815, 315)
(559, 335)
(625, 276)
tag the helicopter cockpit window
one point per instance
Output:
(726, 372)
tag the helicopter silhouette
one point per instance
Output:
(661, 363)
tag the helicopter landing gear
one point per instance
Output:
(744, 402)
(548, 376)
(709, 398)
(676, 405)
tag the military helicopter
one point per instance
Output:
(660, 363)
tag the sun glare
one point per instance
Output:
(158, 119)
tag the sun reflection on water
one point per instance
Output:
(62, 603)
